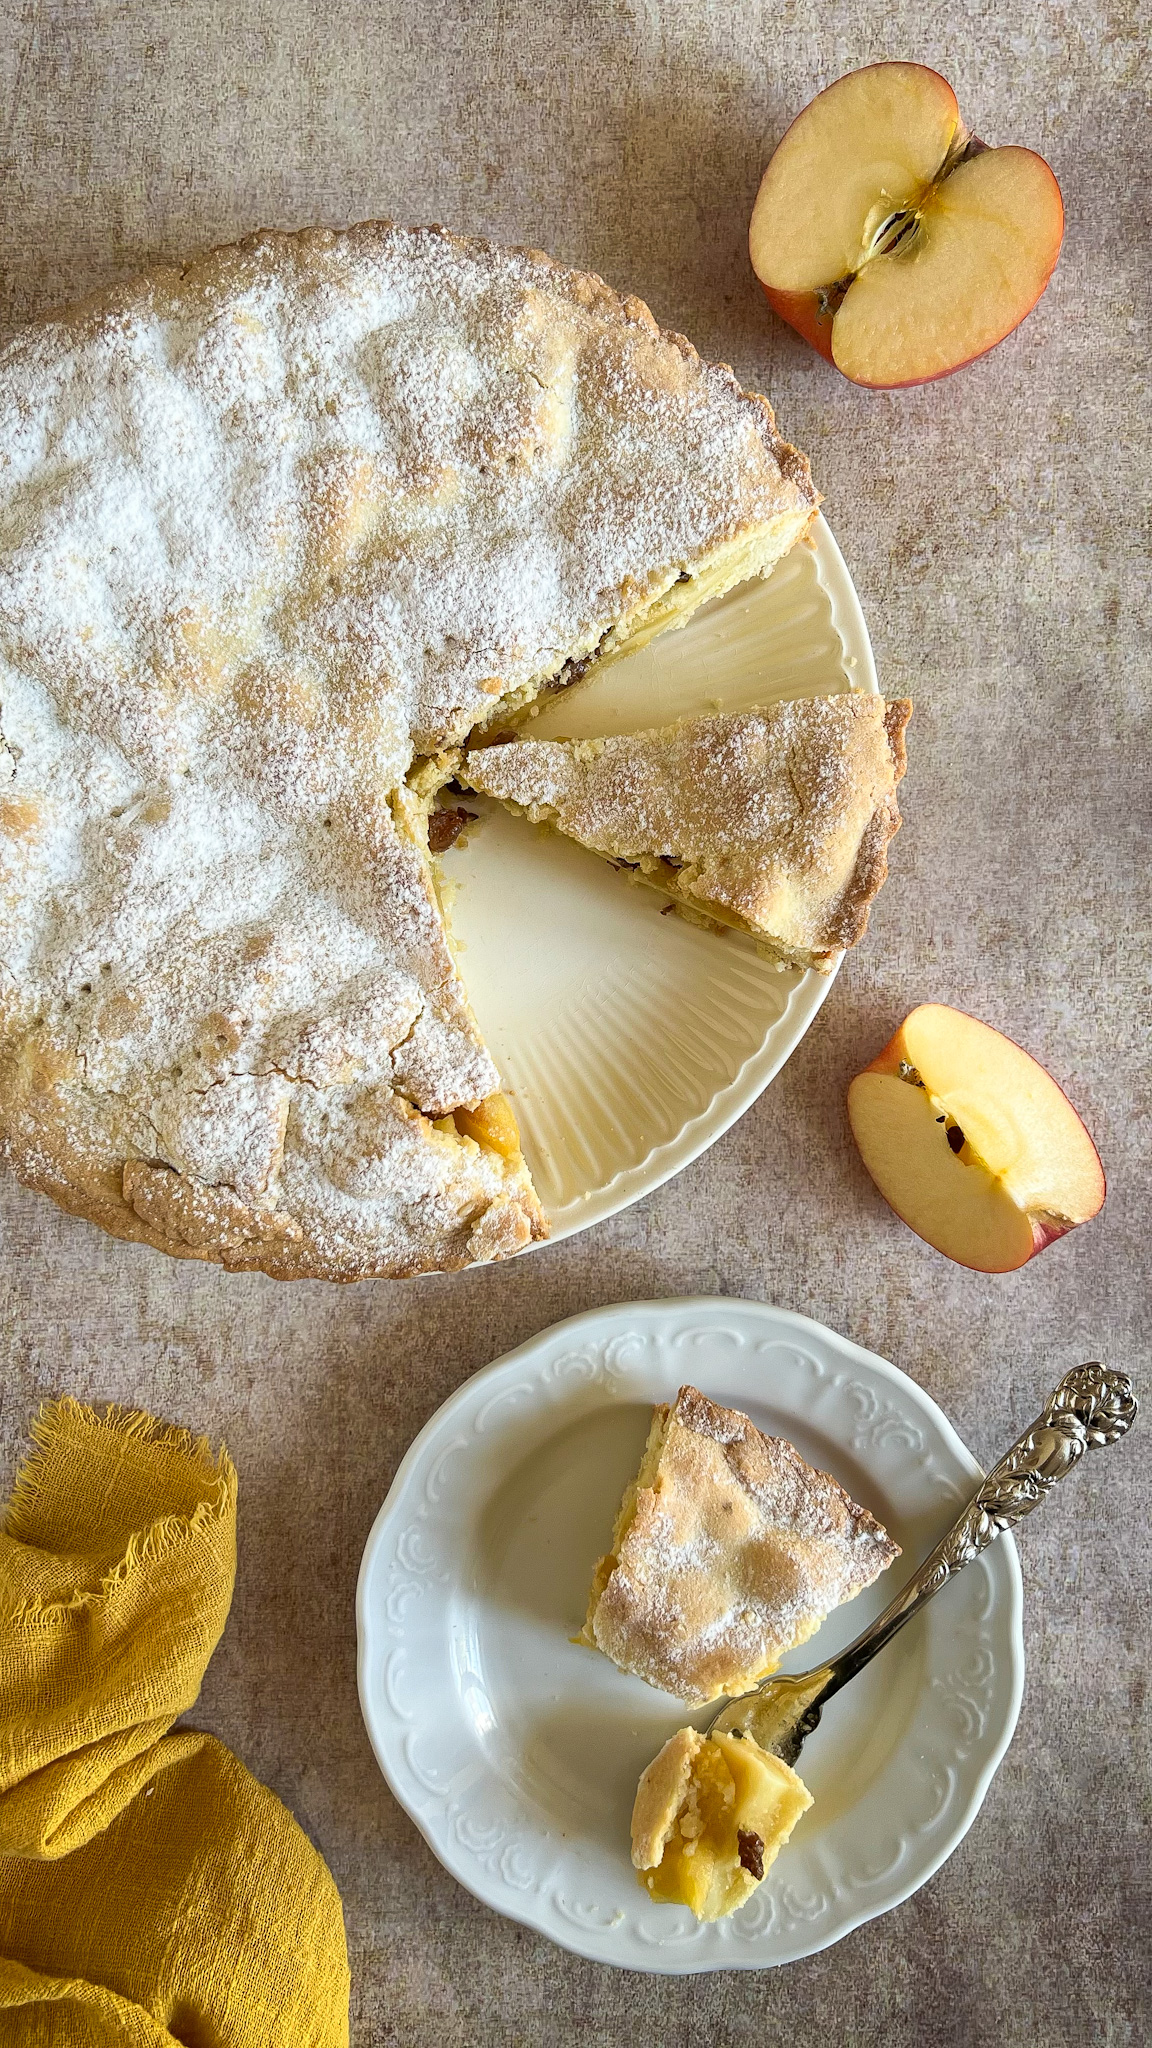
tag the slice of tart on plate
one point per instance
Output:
(775, 822)
(728, 1551)
(518, 1754)
(277, 528)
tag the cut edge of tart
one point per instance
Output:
(728, 1551)
(774, 822)
(672, 601)
(712, 1813)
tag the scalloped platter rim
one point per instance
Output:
(516, 1751)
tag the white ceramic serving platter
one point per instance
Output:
(629, 1040)
(517, 1751)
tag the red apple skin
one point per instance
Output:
(1047, 1233)
(888, 1061)
(803, 311)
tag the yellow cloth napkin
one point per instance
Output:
(151, 1891)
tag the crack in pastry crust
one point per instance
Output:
(273, 526)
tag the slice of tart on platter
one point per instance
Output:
(776, 822)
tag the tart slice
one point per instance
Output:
(775, 821)
(728, 1551)
(712, 1813)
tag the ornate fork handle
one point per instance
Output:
(1091, 1406)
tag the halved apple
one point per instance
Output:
(891, 239)
(972, 1142)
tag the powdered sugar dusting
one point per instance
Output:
(780, 817)
(269, 528)
(736, 1552)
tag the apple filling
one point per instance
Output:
(490, 1124)
(493, 1126)
(711, 1815)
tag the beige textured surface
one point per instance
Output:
(992, 525)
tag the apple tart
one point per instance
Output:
(776, 822)
(277, 528)
(728, 1551)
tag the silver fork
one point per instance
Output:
(1091, 1406)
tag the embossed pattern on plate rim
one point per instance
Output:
(975, 1701)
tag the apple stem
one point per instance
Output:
(963, 146)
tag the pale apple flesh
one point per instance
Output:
(866, 148)
(987, 240)
(896, 245)
(972, 1143)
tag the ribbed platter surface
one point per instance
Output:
(628, 1039)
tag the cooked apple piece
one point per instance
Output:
(493, 1125)
(972, 1142)
(895, 243)
(712, 1812)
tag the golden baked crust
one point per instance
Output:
(661, 1795)
(273, 526)
(727, 1553)
(774, 821)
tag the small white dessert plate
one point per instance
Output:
(629, 1041)
(517, 1752)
